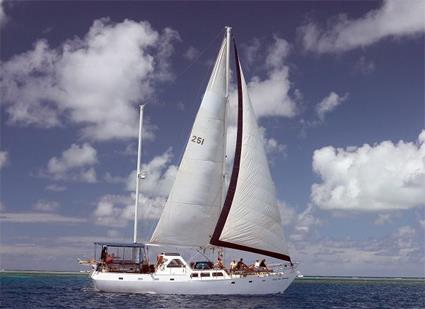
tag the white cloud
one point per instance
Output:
(272, 146)
(277, 53)
(394, 19)
(364, 257)
(384, 176)
(48, 206)
(304, 224)
(159, 176)
(94, 82)
(118, 210)
(270, 96)
(74, 164)
(37, 217)
(4, 156)
(192, 53)
(329, 103)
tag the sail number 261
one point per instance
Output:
(197, 139)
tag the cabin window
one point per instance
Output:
(217, 274)
(205, 274)
(175, 263)
(195, 275)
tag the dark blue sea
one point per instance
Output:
(21, 290)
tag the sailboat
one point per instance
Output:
(203, 212)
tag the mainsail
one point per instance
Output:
(194, 203)
(250, 219)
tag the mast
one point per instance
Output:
(226, 104)
(228, 34)
(138, 173)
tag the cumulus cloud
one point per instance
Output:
(329, 103)
(74, 164)
(4, 156)
(393, 20)
(270, 96)
(272, 146)
(159, 176)
(277, 53)
(47, 206)
(118, 210)
(94, 82)
(379, 177)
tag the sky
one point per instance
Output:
(337, 87)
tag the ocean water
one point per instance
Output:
(20, 290)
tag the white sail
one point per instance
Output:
(252, 219)
(194, 203)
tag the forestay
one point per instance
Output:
(194, 203)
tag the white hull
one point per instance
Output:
(183, 284)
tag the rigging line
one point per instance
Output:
(199, 56)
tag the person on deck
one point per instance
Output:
(219, 264)
(263, 265)
(104, 254)
(241, 265)
(233, 265)
(256, 265)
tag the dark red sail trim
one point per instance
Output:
(254, 250)
(215, 238)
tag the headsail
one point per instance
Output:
(250, 219)
(194, 203)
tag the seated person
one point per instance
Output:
(241, 265)
(263, 265)
(233, 265)
(109, 259)
(256, 265)
(219, 264)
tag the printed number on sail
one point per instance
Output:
(197, 139)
